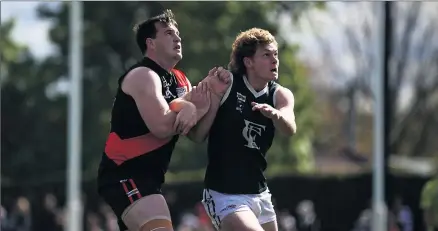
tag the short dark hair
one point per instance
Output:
(147, 28)
(246, 45)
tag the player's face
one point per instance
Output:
(265, 62)
(167, 41)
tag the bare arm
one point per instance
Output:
(200, 132)
(188, 97)
(144, 85)
(285, 119)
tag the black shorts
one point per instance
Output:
(122, 194)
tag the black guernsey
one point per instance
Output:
(131, 151)
(239, 139)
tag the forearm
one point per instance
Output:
(201, 130)
(166, 130)
(161, 123)
(187, 99)
(285, 123)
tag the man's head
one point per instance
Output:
(159, 36)
(255, 52)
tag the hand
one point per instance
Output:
(185, 119)
(218, 79)
(266, 110)
(224, 75)
(200, 97)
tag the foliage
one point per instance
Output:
(35, 112)
(413, 80)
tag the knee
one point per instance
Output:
(240, 226)
(156, 229)
(255, 228)
(157, 225)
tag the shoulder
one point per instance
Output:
(140, 78)
(140, 73)
(279, 90)
(282, 96)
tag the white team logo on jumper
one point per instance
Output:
(168, 94)
(250, 133)
(181, 91)
(240, 102)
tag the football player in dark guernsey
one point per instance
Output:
(240, 126)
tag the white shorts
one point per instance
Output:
(219, 205)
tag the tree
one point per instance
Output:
(31, 122)
(109, 48)
(413, 62)
(10, 50)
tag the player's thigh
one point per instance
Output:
(126, 197)
(241, 221)
(268, 217)
(219, 205)
(270, 226)
(147, 214)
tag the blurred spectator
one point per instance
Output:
(47, 218)
(306, 217)
(204, 220)
(286, 222)
(20, 219)
(365, 220)
(402, 214)
(363, 223)
(109, 218)
(189, 221)
(4, 222)
(93, 222)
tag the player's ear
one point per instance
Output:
(247, 62)
(150, 43)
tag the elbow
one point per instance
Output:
(293, 129)
(290, 130)
(162, 132)
(201, 140)
(161, 135)
(196, 138)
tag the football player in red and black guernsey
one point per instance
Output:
(154, 104)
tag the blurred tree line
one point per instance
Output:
(413, 76)
(34, 102)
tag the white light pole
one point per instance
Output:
(75, 118)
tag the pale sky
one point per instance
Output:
(33, 32)
(29, 30)
(329, 23)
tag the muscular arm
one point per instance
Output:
(200, 132)
(187, 98)
(144, 85)
(285, 121)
